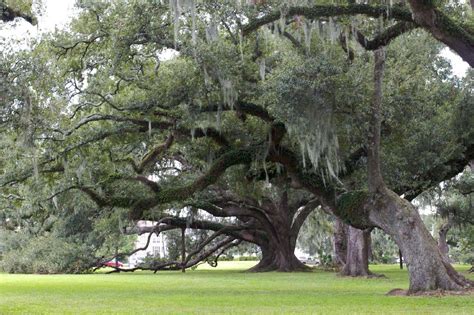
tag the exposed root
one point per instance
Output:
(262, 267)
(433, 293)
(397, 292)
(376, 275)
(370, 275)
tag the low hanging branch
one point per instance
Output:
(200, 254)
(156, 229)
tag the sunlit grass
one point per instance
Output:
(226, 289)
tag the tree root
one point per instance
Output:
(433, 293)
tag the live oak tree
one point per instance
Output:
(403, 166)
(131, 114)
(269, 215)
(272, 221)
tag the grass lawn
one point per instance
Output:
(223, 290)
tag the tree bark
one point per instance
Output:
(278, 249)
(340, 240)
(183, 250)
(357, 259)
(427, 268)
(444, 29)
(279, 257)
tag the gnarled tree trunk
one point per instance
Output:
(278, 247)
(397, 217)
(278, 256)
(427, 267)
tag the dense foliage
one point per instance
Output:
(142, 108)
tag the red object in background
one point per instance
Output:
(113, 264)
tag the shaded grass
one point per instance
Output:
(223, 290)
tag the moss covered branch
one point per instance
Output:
(384, 38)
(318, 11)
(423, 13)
(164, 195)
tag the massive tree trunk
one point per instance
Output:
(273, 224)
(278, 256)
(340, 242)
(383, 208)
(357, 259)
(278, 247)
(428, 269)
(397, 217)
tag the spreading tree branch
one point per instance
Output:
(318, 11)
(423, 13)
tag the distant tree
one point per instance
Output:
(455, 206)
(316, 236)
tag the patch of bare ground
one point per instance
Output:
(434, 293)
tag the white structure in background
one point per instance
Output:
(156, 248)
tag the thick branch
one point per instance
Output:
(384, 38)
(318, 11)
(302, 215)
(166, 195)
(234, 231)
(152, 157)
(444, 29)
(301, 178)
(425, 15)
(244, 107)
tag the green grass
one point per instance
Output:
(223, 290)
